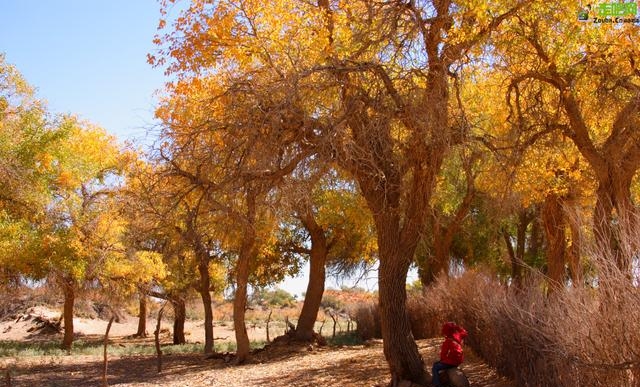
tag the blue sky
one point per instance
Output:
(87, 57)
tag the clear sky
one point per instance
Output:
(87, 57)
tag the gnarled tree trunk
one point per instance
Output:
(315, 286)
(69, 289)
(142, 316)
(248, 252)
(180, 315)
(556, 246)
(615, 217)
(205, 285)
(400, 348)
(574, 254)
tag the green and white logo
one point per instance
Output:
(610, 12)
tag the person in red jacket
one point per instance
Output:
(451, 354)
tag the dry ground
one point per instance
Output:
(279, 365)
(357, 366)
(10, 330)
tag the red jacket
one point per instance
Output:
(451, 352)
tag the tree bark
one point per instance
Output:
(69, 289)
(615, 218)
(574, 254)
(205, 285)
(180, 315)
(517, 254)
(247, 253)
(201, 250)
(400, 348)
(554, 227)
(142, 316)
(239, 308)
(614, 165)
(317, 274)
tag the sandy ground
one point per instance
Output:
(278, 365)
(358, 366)
(18, 330)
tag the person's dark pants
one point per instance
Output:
(437, 367)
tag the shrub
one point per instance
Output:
(574, 336)
(273, 298)
(367, 317)
(582, 335)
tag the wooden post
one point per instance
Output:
(106, 343)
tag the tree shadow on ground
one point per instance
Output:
(295, 366)
(130, 369)
(356, 370)
(372, 370)
(73, 370)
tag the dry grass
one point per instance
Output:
(582, 335)
(575, 336)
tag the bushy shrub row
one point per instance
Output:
(576, 336)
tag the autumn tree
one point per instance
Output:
(367, 85)
(76, 237)
(177, 224)
(329, 224)
(29, 136)
(575, 77)
(453, 199)
(221, 150)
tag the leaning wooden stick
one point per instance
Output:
(106, 343)
(157, 337)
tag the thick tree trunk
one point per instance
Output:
(556, 247)
(142, 316)
(205, 285)
(615, 219)
(180, 315)
(574, 254)
(313, 296)
(239, 308)
(315, 286)
(69, 289)
(400, 348)
(614, 165)
(247, 253)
